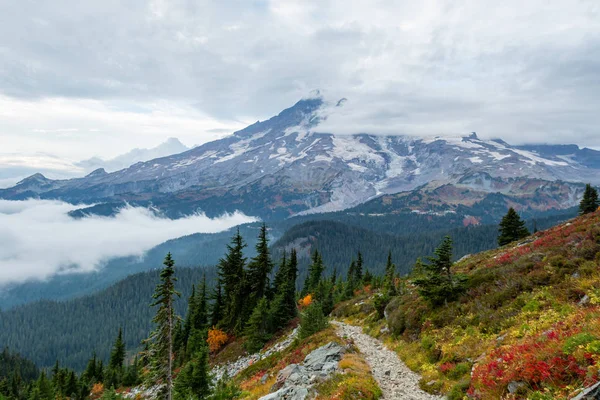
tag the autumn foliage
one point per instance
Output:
(306, 301)
(216, 339)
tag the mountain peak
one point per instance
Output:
(35, 178)
(97, 172)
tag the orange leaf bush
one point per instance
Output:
(97, 390)
(306, 301)
(216, 339)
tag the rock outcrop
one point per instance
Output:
(295, 381)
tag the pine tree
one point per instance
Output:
(200, 317)
(435, 282)
(359, 268)
(257, 329)
(117, 356)
(115, 364)
(260, 267)
(193, 382)
(90, 375)
(590, 202)
(217, 308)
(161, 339)
(512, 228)
(283, 306)
(315, 271)
(389, 286)
(281, 275)
(131, 377)
(233, 281)
(189, 316)
(312, 320)
(350, 281)
(290, 289)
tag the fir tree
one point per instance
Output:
(290, 288)
(281, 275)
(389, 286)
(350, 282)
(511, 228)
(435, 282)
(233, 281)
(260, 267)
(161, 339)
(359, 268)
(315, 271)
(200, 316)
(257, 329)
(189, 316)
(312, 320)
(132, 375)
(590, 202)
(217, 308)
(117, 356)
(193, 382)
(115, 364)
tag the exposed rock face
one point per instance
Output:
(591, 393)
(233, 368)
(295, 381)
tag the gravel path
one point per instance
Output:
(395, 379)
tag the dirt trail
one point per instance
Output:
(395, 379)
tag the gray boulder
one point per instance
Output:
(317, 359)
(591, 393)
(288, 393)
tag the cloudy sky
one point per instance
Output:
(97, 78)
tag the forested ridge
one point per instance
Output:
(49, 330)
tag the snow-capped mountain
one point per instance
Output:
(286, 166)
(171, 146)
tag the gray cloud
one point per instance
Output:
(39, 239)
(524, 71)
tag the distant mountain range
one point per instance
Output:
(170, 147)
(285, 166)
(287, 172)
(15, 167)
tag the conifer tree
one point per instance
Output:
(512, 228)
(350, 281)
(257, 329)
(259, 268)
(233, 282)
(315, 271)
(590, 202)
(117, 355)
(161, 339)
(200, 317)
(216, 310)
(281, 275)
(131, 377)
(359, 268)
(189, 316)
(436, 282)
(193, 382)
(290, 288)
(115, 364)
(283, 306)
(390, 274)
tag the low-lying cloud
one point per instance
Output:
(39, 239)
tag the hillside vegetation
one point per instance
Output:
(527, 325)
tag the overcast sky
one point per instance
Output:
(86, 78)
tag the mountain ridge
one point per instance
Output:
(295, 169)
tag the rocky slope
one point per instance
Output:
(285, 166)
